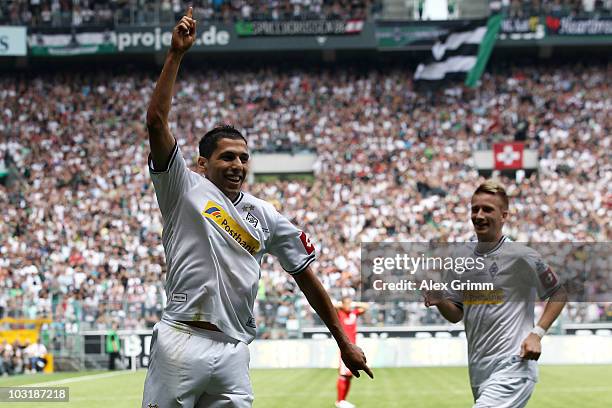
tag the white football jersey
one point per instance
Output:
(214, 248)
(497, 323)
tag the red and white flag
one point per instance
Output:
(508, 156)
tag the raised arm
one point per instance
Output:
(160, 138)
(352, 355)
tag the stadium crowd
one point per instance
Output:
(80, 228)
(66, 13)
(556, 8)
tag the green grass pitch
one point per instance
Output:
(584, 386)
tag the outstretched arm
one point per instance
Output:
(160, 138)
(352, 355)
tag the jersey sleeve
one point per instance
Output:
(449, 275)
(291, 246)
(170, 183)
(451, 294)
(541, 275)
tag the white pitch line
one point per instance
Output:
(78, 379)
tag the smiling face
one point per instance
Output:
(488, 216)
(227, 166)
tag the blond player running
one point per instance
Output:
(503, 344)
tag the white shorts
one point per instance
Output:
(504, 392)
(192, 367)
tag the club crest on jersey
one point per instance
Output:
(219, 216)
(493, 269)
(251, 219)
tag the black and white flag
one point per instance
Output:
(455, 52)
(464, 50)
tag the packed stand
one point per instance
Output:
(556, 8)
(66, 13)
(80, 234)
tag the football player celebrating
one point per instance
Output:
(214, 238)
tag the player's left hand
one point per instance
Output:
(355, 360)
(531, 347)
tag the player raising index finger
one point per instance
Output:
(184, 33)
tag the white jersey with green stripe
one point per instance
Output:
(214, 247)
(497, 323)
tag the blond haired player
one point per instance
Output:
(503, 344)
(214, 237)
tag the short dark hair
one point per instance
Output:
(209, 141)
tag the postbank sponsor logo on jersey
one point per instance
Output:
(483, 297)
(219, 216)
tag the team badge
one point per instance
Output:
(251, 219)
(493, 270)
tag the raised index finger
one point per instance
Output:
(368, 372)
(189, 12)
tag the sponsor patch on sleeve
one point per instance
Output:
(307, 244)
(548, 278)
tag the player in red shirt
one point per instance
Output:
(348, 311)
